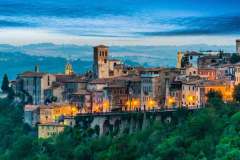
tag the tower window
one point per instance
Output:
(48, 81)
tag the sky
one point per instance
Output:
(120, 22)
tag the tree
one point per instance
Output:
(11, 93)
(235, 58)
(5, 84)
(214, 94)
(236, 93)
(214, 98)
(53, 99)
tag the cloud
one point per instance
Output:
(7, 23)
(220, 25)
(124, 22)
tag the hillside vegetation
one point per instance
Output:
(210, 133)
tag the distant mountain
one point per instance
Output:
(151, 55)
(13, 63)
(52, 57)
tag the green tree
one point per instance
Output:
(214, 99)
(214, 94)
(11, 93)
(235, 58)
(236, 93)
(5, 84)
(53, 99)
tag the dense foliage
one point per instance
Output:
(210, 133)
(235, 58)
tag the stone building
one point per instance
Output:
(96, 88)
(83, 100)
(226, 72)
(34, 83)
(104, 67)
(165, 77)
(72, 85)
(174, 97)
(100, 62)
(54, 93)
(194, 92)
(53, 113)
(208, 73)
(123, 93)
(237, 74)
(31, 115)
(150, 90)
(50, 129)
(191, 71)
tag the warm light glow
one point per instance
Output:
(226, 91)
(170, 101)
(190, 99)
(106, 106)
(65, 110)
(151, 104)
(96, 108)
(133, 104)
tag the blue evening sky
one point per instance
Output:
(120, 22)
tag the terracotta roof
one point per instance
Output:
(100, 81)
(151, 69)
(32, 74)
(202, 82)
(210, 68)
(30, 107)
(127, 78)
(70, 78)
(227, 65)
(75, 80)
(116, 86)
(213, 83)
(81, 92)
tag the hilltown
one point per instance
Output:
(53, 100)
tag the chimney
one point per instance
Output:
(36, 68)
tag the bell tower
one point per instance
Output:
(179, 59)
(100, 62)
(69, 69)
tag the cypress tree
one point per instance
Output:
(5, 83)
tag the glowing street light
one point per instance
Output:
(151, 104)
(170, 101)
(106, 105)
(190, 98)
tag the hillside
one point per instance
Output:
(211, 133)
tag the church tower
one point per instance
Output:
(179, 59)
(100, 62)
(68, 69)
